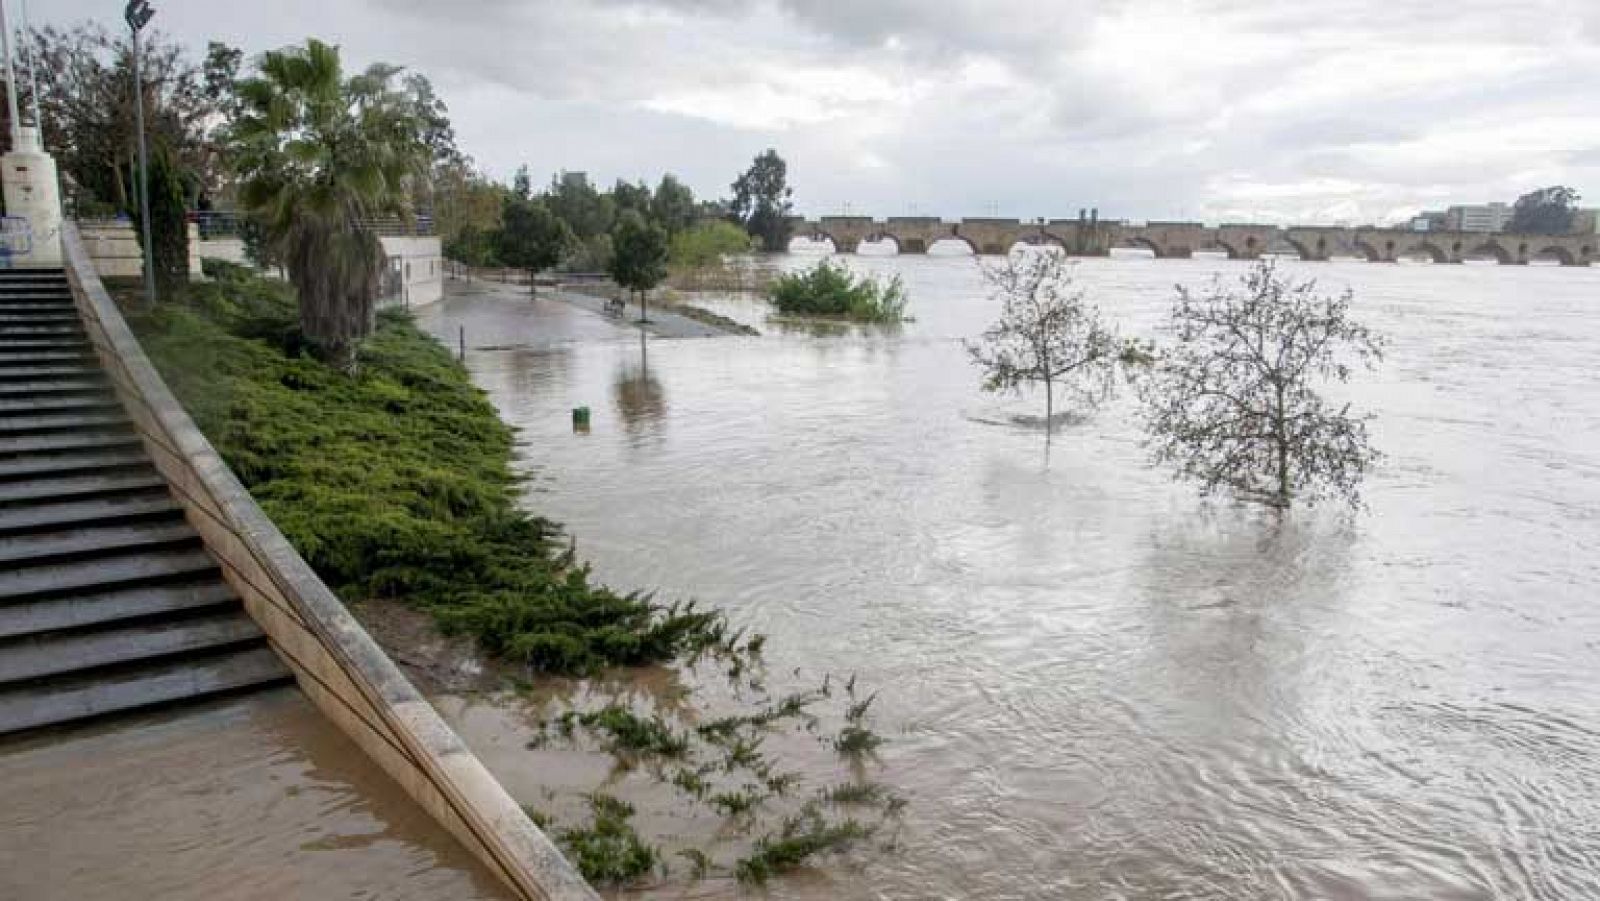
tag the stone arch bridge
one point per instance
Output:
(1183, 239)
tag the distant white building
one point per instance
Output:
(1483, 217)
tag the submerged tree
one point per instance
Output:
(639, 255)
(319, 155)
(1236, 404)
(1046, 334)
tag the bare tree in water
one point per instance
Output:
(1236, 403)
(1046, 334)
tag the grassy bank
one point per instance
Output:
(397, 483)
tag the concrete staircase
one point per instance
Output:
(108, 601)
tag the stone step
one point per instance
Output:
(38, 308)
(59, 653)
(14, 346)
(134, 568)
(34, 328)
(58, 443)
(12, 300)
(111, 606)
(78, 369)
(17, 323)
(21, 425)
(141, 507)
(65, 386)
(84, 462)
(63, 701)
(101, 402)
(32, 358)
(96, 541)
(60, 488)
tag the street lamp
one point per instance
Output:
(138, 14)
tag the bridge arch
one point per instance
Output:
(1490, 249)
(1427, 248)
(1212, 245)
(1143, 243)
(814, 237)
(1371, 252)
(943, 245)
(1559, 253)
(1317, 251)
(878, 238)
(1042, 239)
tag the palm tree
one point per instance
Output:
(318, 155)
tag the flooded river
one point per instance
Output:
(257, 799)
(1094, 685)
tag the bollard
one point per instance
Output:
(580, 420)
(463, 353)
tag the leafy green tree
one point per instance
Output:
(87, 111)
(1547, 211)
(631, 197)
(522, 182)
(532, 237)
(585, 210)
(1237, 403)
(639, 256)
(319, 154)
(169, 220)
(673, 205)
(762, 201)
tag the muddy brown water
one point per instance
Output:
(1096, 686)
(251, 798)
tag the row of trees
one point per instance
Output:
(1235, 402)
(311, 154)
(572, 224)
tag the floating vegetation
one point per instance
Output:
(799, 839)
(856, 741)
(627, 732)
(608, 851)
(737, 803)
(860, 794)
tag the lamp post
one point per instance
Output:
(138, 14)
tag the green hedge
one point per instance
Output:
(397, 482)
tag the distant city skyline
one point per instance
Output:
(1345, 111)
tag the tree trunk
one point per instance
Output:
(1049, 406)
(644, 307)
(533, 285)
(1282, 440)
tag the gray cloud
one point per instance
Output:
(1164, 108)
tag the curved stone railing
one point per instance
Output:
(335, 662)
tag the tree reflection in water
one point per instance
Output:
(640, 399)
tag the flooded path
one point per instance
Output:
(255, 798)
(1094, 685)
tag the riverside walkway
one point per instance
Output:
(108, 600)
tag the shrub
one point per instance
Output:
(833, 292)
(397, 482)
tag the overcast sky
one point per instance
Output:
(1313, 110)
